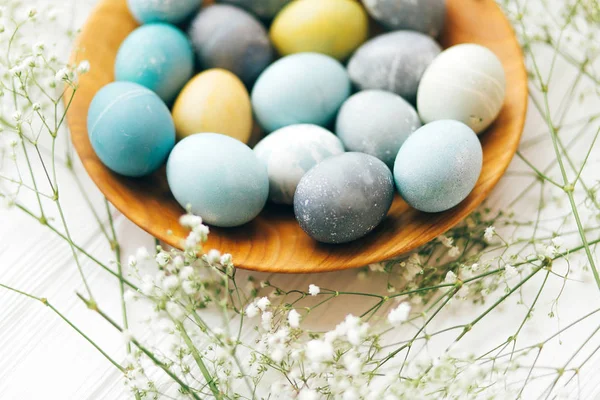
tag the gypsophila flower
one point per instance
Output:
(377, 267)
(399, 314)
(190, 221)
(226, 259)
(175, 310)
(463, 292)
(510, 271)
(36, 106)
(550, 252)
(450, 277)
(313, 290)
(17, 116)
(294, 318)
(263, 303)
(489, 233)
(31, 12)
(130, 296)
(319, 350)
(61, 75)
(170, 283)
(557, 241)
(142, 254)
(308, 394)
(252, 310)
(38, 49)
(162, 258)
(83, 67)
(454, 251)
(213, 256)
(266, 319)
(446, 241)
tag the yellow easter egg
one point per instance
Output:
(332, 27)
(214, 101)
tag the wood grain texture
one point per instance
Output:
(274, 241)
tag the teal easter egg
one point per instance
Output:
(130, 128)
(303, 88)
(219, 177)
(290, 152)
(438, 165)
(376, 123)
(171, 11)
(157, 56)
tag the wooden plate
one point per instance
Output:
(274, 241)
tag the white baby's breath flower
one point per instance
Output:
(131, 261)
(38, 48)
(510, 271)
(188, 287)
(454, 251)
(313, 290)
(319, 350)
(213, 256)
(226, 259)
(308, 394)
(61, 75)
(17, 116)
(36, 106)
(175, 310)
(399, 314)
(557, 241)
(294, 318)
(263, 303)
(130, 296)
(446, 241)
(162, 258)
(147, 287)
(170, 283)
(83, 67)
(489, 233)
(252, 310)
(463, 292)
(186, 272)
(377, 267)
(266, 319)
(450, 277)
(550, 252)
(31, 12)
(190, 221)
(475, 267)
(142, 254)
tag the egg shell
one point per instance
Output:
(376, 123)
(466, 83)
(157, 56)
(305, 88)
(130, 128)
(228, 37)
(264, 9)
(290, 152)
(332, 27)
(214, 101)
(438, 166)
(171, 11)
(219, 177)
(344, 197)
(394, 62)
(425, 16)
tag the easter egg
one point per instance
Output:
(466, 83)
(305, 88)
(344, 197)
(130, 128)
(230, 38)
(214, 101)
(425, 16)
(290, 152)
(376, 123)
(220, 178)
(171, 11)
(394, 62)
(264, 9)
(332, 27)
(157, 56)
(438, 165)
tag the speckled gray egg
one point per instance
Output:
(466, 83)
(376, 123)
(438, 165)
(394, 62)
(425, 16)
(290, 152)
(344, 197)
(228, 37)
(264, 9)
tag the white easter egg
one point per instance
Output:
(465, 83)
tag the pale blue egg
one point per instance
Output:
(157, 56)
(376, 123)
(290, 152)
(130, 128)
(303, 88)
(344, 197)
(171, 11)
(438, 166)
(219, 177)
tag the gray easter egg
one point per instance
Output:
(425, 16)
(394, 62)
(290, 152)
(264, 9)
(228, 37)
(344, 197)
(438, 166)
(376, 123)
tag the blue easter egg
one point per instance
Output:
(438, 165)
(376, 123)
(219, 177)
(130, 128)
(303, 88)
(171, 11)
(157, 56)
